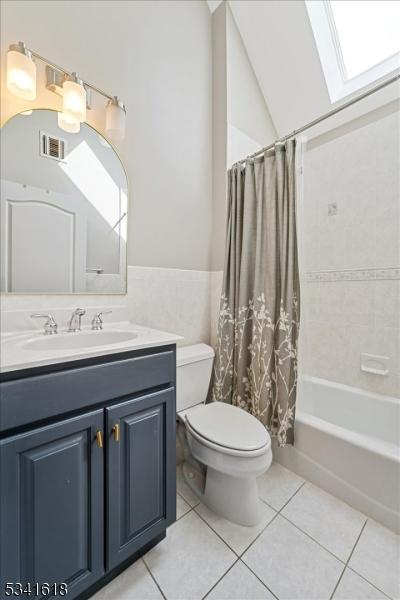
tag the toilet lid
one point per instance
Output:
(228, 426)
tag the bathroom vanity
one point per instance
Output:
(87, 409)
(87, 454)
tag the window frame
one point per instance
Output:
(330, 53)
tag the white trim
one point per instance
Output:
(330, 54)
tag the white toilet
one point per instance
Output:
(233, 445)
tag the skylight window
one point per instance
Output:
(368, 32)
(358, 41)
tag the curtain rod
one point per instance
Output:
(322, 118)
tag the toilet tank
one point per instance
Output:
(193, 373)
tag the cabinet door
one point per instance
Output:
(140, 472)
(52, 516)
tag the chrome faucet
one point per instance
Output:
(97, 321)
(74, 324)
(50, 326)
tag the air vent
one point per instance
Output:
(52, 147)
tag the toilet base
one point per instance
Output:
(195, 478)
(234, 498)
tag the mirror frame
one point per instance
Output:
(72, 294)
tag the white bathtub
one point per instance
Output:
(347, 441)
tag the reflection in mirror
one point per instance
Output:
(63, 209)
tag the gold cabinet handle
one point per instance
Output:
(99, 438)
(115, 431)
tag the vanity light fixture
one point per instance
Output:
(115, 119)
(75, 92)
(74, 99)
(21, 72)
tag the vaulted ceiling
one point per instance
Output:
(281, 47)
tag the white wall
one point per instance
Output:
(220, 133)
(242, 122)
(247, 111)
(157, 57)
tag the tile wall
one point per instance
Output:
(181, 301)
(350, 260)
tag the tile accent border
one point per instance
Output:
(353, 275)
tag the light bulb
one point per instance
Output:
(21, 72)
(67, 123)
(115, 119)
(74, 98)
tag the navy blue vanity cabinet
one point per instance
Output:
(141, 489)
(87, 468)
(52, 504)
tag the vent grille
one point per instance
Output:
(52, 147)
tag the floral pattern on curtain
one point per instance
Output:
(257, 346)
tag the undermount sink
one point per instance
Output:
(82, 339)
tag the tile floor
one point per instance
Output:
(309, 546)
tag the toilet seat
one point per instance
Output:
(228, 429)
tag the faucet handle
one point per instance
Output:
(50, 325)
(97, 321)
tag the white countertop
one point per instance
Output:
(18, 349)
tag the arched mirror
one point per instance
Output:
(63, 209)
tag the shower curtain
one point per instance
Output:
(256, 355)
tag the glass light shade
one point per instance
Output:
(21, 74)
(68, 124)
(74, 100)
(115, 120)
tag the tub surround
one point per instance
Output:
(349, 232)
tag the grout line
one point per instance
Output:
(187, 502)
(184, 515)
(354, 547)
(239, 556)
(347, 561)
(287, 501)
(354, 571)
(260, 580)
(155, 580)
(217, 534)
(259, 534)
(313, 539)
(371, 584)
(221, 578)
(292, 496)
(278, 512)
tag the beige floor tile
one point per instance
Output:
(326, 519)
(182, 507)
(377, 558)
(293, 566)
(353, 587)
(277, 485)
(236, 536)
(190, 560)
(240, 584)
(135, 583)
